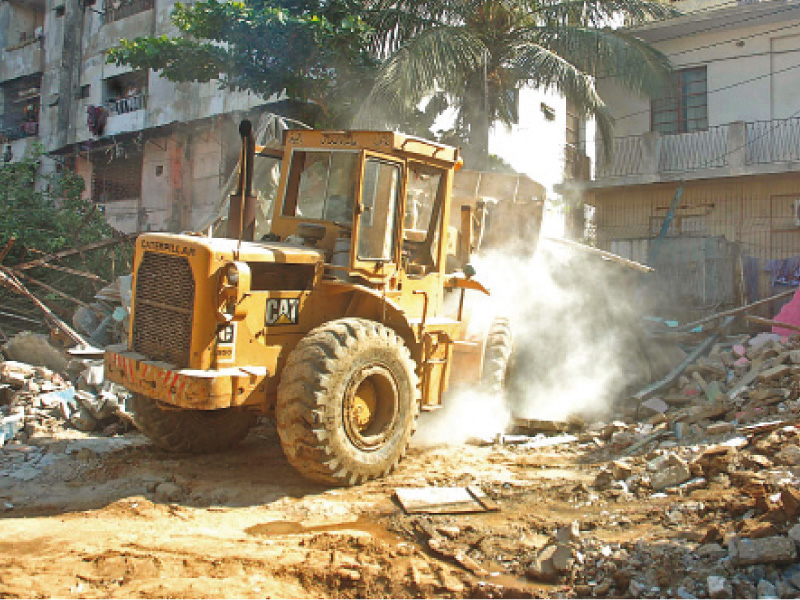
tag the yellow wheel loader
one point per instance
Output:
(342, 323)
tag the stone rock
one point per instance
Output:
(774, 549)
(569, 534)
(603, 479)
(673, 475)
(790, 500)
(719, 428)
(449, 531)
(562, 558)
(789, 455)
(542, 568)
(168, 492)
(637, 589)
(786, 589)
(718, 587)
(711, 551)
(794, 534)
(766, 590)
(620, 470)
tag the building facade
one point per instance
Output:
(708, 176)
(155, 155)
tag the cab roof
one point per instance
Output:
(378, 141)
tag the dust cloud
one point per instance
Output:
(578, 346)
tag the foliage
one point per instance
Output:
(304, 50)
(479, 53)
(47, 214)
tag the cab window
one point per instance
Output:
(321, 185)
(423, 216)
(377, 225)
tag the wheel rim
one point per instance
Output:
(371, 408)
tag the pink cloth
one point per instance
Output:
(790, 313)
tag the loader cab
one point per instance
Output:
(379, 210)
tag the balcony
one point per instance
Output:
(730, 150)
(126, 114)
(21, 60)
(120, 9)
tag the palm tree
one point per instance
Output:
(478, 53)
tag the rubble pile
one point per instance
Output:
(35, 401)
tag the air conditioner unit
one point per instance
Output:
(796, 211)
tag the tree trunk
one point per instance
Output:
(476, 114)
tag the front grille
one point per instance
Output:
(162, 318)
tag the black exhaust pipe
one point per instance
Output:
(242, 210)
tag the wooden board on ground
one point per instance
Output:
(445, 500)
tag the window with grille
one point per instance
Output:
(120, 179)
(686, 108)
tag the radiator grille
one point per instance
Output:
(162, 319)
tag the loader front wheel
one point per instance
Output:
(347, 402)
(191, 431)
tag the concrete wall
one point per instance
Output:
(731, 55)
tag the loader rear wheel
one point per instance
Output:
(347, 402)
(191, 431)
(497, 355)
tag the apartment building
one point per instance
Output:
(154, 154)
(705, 181)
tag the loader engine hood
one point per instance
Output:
(212, 250)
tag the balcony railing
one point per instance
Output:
(119, 9)
(693, 151)
(735, 147)
(773, 141)
(120, 106)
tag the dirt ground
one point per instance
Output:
(92, 517)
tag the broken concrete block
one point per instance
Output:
(774, 374)
(656, 405)
(775, 549)
(765, 589)
(794, 356)
(718, 587)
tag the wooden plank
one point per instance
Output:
(771, 323)
(64, 253)
(736, 311)
(16, 285)
(603, 254)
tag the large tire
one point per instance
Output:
(191, 431)
(347, 402)
(497, 356)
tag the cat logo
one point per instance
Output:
(282, 311)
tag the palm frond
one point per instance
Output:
(608, 52)
(548, 70)
(437, 59)
(599, 13)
